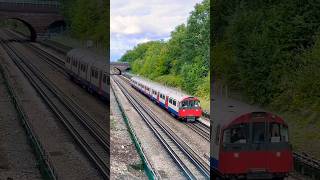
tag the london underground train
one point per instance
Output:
(181, 105)
(248, 143)
(89, 70)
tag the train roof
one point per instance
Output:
(174, 93)
(87, 55)
(226, 111)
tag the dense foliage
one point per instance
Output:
(183, 61)
(270, 50)
(88, 19)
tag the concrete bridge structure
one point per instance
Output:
(123, 66)
(38, 16)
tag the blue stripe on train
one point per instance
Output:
(214, 162)
(172, 111)
(161, 104)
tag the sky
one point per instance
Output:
(138, 21)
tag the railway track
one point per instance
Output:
(200, 129)
(49, 58)
(89, 135)
(191, 164)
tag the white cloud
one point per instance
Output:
(134, 22)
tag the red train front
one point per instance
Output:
(190, 109)
(255, 146)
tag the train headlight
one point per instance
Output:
(183, 110)
(236, 155)
(278, 154)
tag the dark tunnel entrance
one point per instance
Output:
(21, 26)
(57, 27)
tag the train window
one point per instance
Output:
(190, 103)
(92, 72)
(104, 78)
(217, 137)
(274, 132)
(236, 134)
(174, 102)
(170, 101)
(284, 134)
(96, 74)
(258, 132)
(108, 81)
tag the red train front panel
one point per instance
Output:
(255, 145)
(245, 162)
(190, 107)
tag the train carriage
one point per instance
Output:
(248, 143)
(179, 104)
(89, 70)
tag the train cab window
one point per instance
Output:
(190, 104)
(174, 102)
(170, 101)
(92, 72)
(274, 132)
(236, 134)
(258, 132)
(284, 133)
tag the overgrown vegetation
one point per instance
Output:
(88, 19)
(183, 61)
(270, 51)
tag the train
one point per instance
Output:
(248, 143)
(89, 70)
(177, 103)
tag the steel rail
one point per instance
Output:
(197, 128)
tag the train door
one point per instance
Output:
(158, 98)
(166, 103)
(259, 145)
